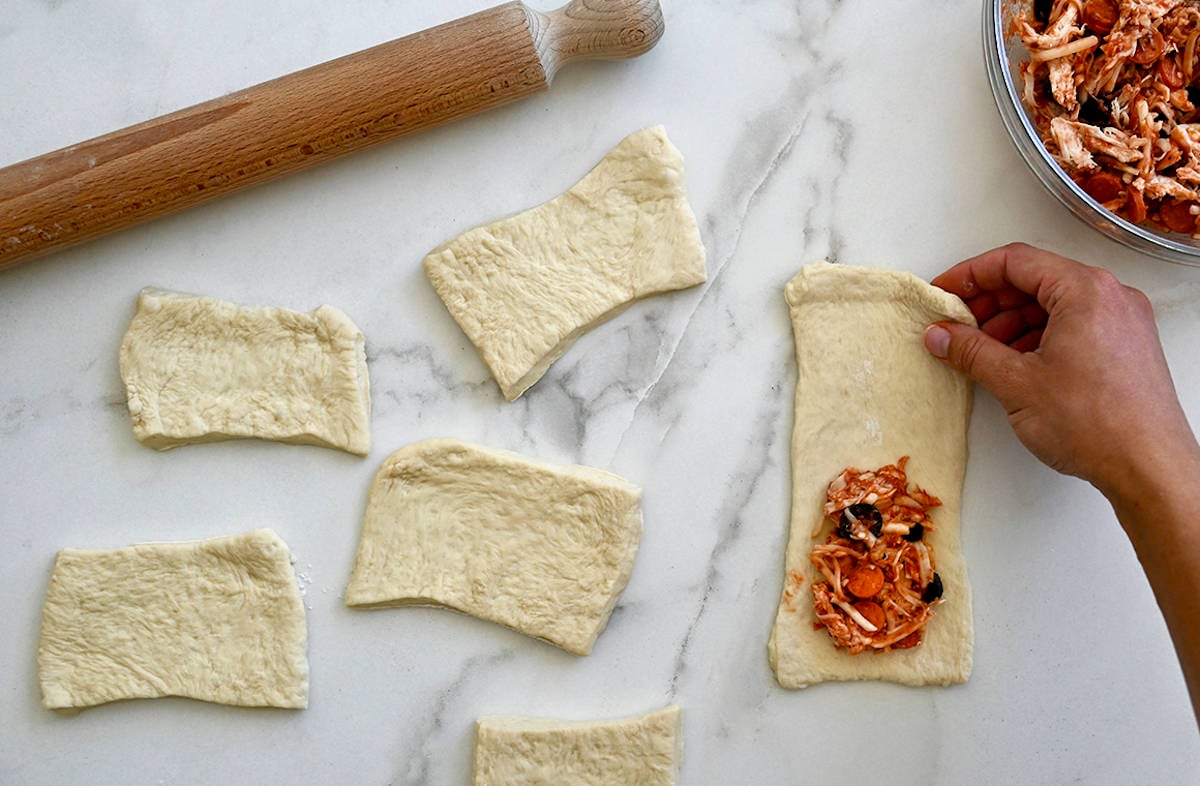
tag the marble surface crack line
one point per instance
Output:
(773, 166)
(842, 139)
(761, 443)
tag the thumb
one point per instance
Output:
(976, 354)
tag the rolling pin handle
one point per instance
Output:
(595, 29)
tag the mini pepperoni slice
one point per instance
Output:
(1149, 48)
(873, 612)
(911, 640)
(1170, 73)
(865, 581)
(1135, 207)
(1177, 215)
(1100, 16)
(1103, 187)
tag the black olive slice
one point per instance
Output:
(860, 512)
(1093, 112)
(1041, 10)
(933, 590)
(915, 532)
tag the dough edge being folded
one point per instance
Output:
(858, 333)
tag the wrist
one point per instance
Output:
(1154, 491)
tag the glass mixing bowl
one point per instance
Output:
(1002, 54)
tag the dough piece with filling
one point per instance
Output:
(218, 620)
(643, 750)
(544, 549)
(525, 288)
(197, 369)
(867, 392)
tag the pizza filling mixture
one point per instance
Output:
(1114, 90)
(880, 586)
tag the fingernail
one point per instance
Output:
(937, 340)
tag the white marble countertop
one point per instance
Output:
(857, 131)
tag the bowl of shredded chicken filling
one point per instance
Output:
(1102, 100)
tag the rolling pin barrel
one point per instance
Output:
(193, 155)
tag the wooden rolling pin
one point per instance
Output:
(184, 158)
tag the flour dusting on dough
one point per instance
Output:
(874, 431)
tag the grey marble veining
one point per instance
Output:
(416, 766)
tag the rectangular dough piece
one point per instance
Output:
(525, 288)
(218, 620)
(644, 750)
(197, 369)
(867, 393)
(541, 548)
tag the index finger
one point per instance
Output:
(1016, 265)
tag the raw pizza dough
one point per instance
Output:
(867, 393)
(643, 750)
(544, 549)
(525, 288)
(197, 369)
(218, 620)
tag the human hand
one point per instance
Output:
(1075, 359)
